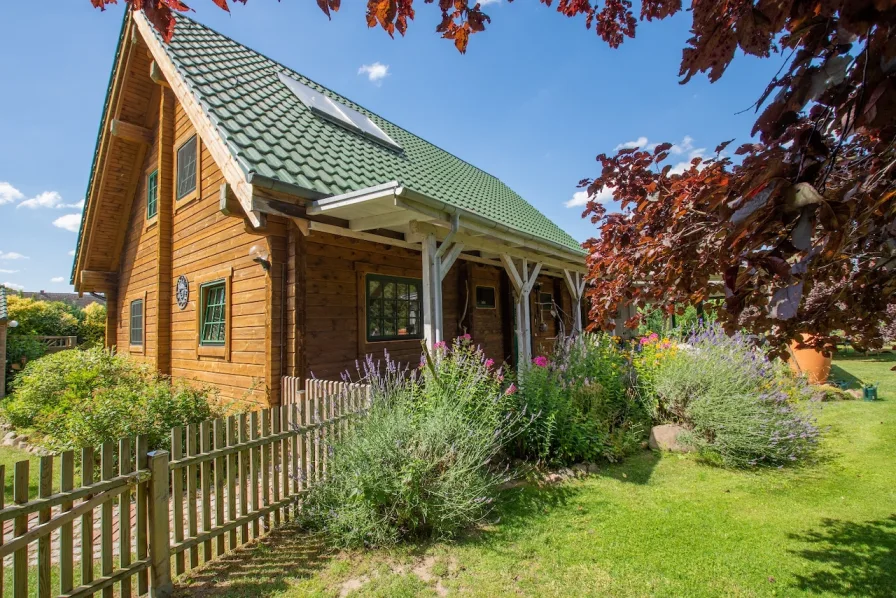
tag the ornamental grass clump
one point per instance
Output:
(424, 461)
(580, 404)
(743, 409)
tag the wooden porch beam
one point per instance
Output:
(472, 243)
(155, 73)
(130, 132)
(381, 221)
(95, 280)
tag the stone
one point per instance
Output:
(665, 438)
(9, 436)
(580, 469)
(593, 468)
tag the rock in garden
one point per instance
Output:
(665, 438)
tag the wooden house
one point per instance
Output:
(246, 223)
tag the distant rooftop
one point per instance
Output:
(70, 298)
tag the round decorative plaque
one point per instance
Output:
(182, 292)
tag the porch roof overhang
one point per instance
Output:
(395, 207)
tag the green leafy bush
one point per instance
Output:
(84, 398)
(46, 318)
(422, 462)
(92, 331)
(581, 408)
(21, 347)
(743, 408)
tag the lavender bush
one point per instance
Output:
(423, 461)
(743, 408)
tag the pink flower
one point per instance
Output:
(541, 361)
(644, 340)
(654, 337)
(440, 345)
(489, 363)
(466, 337)
(510, 389)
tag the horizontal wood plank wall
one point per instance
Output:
(487, 323)
(139, 267)
(334, 267)
(114, 186)
(205, 242)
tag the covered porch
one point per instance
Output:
(442, 235)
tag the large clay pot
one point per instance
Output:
(811, 363)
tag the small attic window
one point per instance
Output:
(337, 112)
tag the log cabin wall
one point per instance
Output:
(138, 270)
(334, 334)
(205, 246)
(209, 246)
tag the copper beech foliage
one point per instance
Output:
(796, 231)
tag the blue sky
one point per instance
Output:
(534, 100)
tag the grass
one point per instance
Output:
(9, 456)
(655, 525)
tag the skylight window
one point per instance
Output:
(338, 113)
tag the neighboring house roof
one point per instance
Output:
(70, 298)
(3, 313)
(273, 134)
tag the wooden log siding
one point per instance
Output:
(150, 507)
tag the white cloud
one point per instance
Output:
(72, 253)
(375, 72)
(9, 194)
(580, 198)
(639, 142)
(48, 199)
(69, 222)
(487, 2)
(12, 255)
(5, 271)
(683, 148)
(57, 279)
(12, 285)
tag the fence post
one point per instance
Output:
(159, 539)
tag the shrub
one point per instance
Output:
(48, 318)
(422, 462)
(21, 347)
(580, 404)
(92, 331)
(85, 398)
(743, 408)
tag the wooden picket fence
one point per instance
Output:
(224, 483)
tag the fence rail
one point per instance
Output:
(54, 344)
(224, 483)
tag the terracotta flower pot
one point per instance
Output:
(813, 364)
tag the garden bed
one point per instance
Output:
(662, 525)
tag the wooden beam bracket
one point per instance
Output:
(130, 132)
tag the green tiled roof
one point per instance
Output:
(3, 313)
(271, 133)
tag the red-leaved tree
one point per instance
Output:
(798, 233)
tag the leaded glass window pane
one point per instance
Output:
(136, 336)
(152, 194)
(214, 316)
(186, 168)
(394, 308)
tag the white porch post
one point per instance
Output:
(522, 281)
(575, 283)
(437, 261)
(432, 291)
